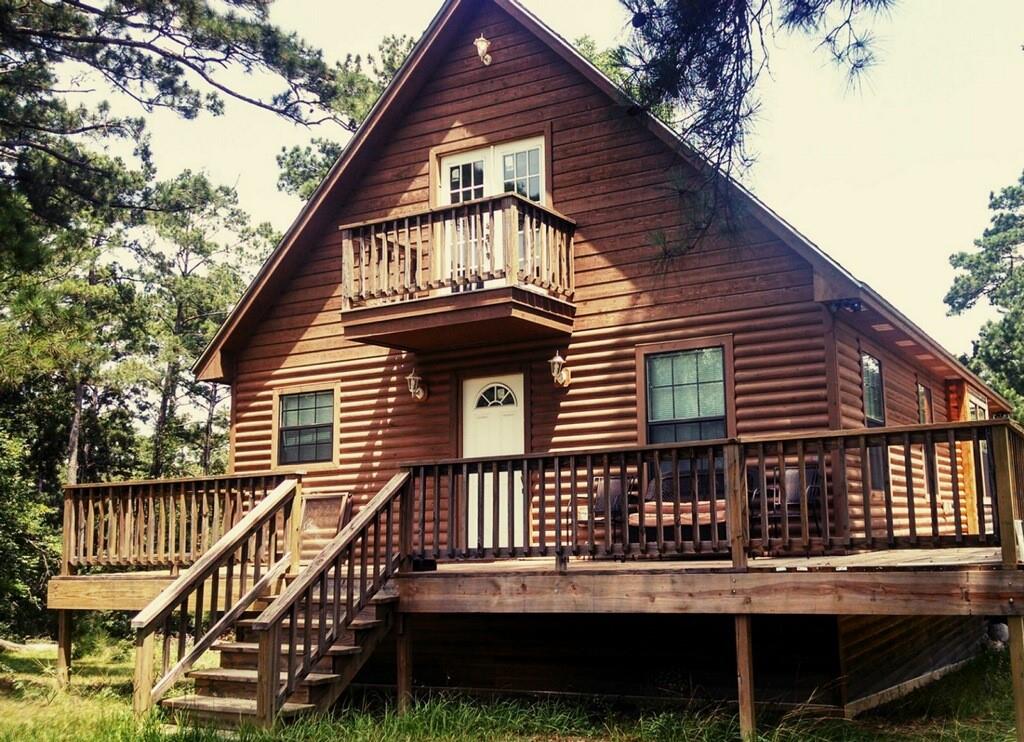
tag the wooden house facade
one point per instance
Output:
(492, 406)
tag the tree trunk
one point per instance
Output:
(213, 399)
(75, 433)
(168, 391)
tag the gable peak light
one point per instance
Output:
(483, 45)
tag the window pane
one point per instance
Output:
(290, 438)
(323, 452)
(686, 402)
(520, 164)
(712, 429)
(661, 407)
(478, 172)
(534, 188)
(659, 370)
(454, 177)
(478, 192)
(874, 406)
(709, 364)
(307, 417)
(685, 368)
(712, 399)
(688, 432)
(467, 173)
(661, 433)
(307, 453)
(323, 435)
(521, 188)
(534, 161)
(509, 163)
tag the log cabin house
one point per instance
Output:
(487, 433)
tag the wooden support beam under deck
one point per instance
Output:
(745, 678)
(64, 648)
(403, 669)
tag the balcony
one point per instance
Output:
(459, 276)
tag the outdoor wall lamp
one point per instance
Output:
(417, 388)
(559, 373)
(482, 46)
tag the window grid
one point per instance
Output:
(466, 181)
(306, 427)
(521, 173)
(686, 395)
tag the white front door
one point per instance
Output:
(493, 425)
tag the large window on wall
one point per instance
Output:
(306, 427)
(874, 415)
(686, 395)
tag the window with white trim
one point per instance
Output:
(510, 167)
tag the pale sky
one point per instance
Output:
(889, 179)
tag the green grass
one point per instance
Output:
(972, 704)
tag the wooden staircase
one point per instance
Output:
(291, 637)
(225, 696)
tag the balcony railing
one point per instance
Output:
(501, 240)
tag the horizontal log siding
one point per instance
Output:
(611, 176)
(900, 378)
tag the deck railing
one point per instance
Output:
(494, 241)
(164, 523)
(927, 486)
(202, 604)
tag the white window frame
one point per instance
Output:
(494, 181)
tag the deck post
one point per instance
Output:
(63, 648)
(736, 504)
(745, 677)
(1006, 496)
(295, 527)
(1006, 504)
(403, 684)
(142, 686)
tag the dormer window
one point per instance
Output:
(511, 167)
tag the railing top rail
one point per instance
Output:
(171, 595)
(454, 207)
(536, 456)
(814, 435)
(847, 433)
(324, 560)
(176, 480)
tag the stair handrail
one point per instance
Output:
(262, 545)
(378, 559)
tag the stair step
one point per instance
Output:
(226, 710)
(337, 650)
(229, 674)
(359, 624)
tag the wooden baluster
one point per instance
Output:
(887, 491)
(932, 467)
(321, 628)
(573, 507)
(783, 495)
(527, 498)
(677, 522)
(805, 523)
(954, 470)
(200, 594)
(307, 626)
(363, 559)
(437, 510)
(183, 624)
(229, 580)
(908, 473)
(609, 520)
(762, 483)
(694, 503)
(452, 511)
(979, 484)
(293, 645)
(627, 545)
(713, 497)
(826, 528)
(542, 504)
(496, 509)
(556, 465)
(659, 504)
(591, 541)
(479, 510)
(510, 487)
(866, 487)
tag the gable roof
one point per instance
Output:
(216, 361)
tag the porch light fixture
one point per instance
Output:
(559, 373)
(482, 46)
(417, 388)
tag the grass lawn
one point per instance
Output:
(972, 704)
